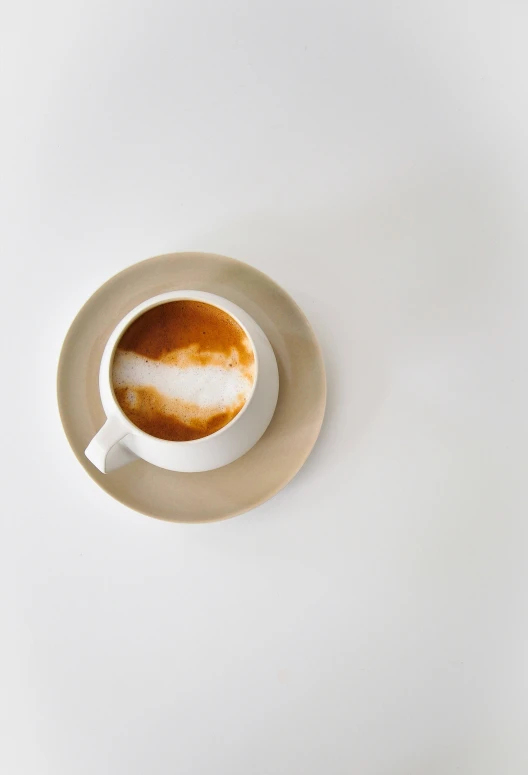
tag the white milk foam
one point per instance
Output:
(206, 386)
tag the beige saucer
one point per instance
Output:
(283, 449)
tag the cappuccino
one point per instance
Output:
(183, 370)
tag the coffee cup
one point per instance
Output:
(121, 440)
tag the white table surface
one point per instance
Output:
(372, 158)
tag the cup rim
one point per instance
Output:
(144, 307)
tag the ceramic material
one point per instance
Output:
(120, 441)
(284, 447)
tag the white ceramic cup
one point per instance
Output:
(120, 441)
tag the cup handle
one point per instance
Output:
(112, 432)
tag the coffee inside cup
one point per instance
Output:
(183, 370)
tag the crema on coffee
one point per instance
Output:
(183, 370)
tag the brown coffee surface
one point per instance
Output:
(183, 335)
(178, 325)
(149, 412)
